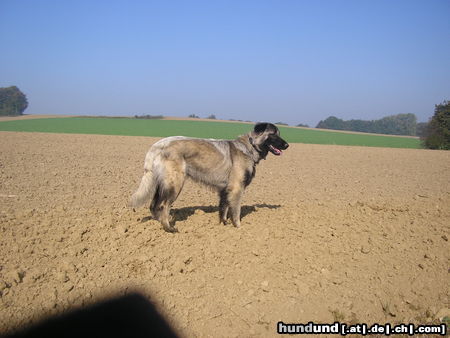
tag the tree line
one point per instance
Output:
(400, 124)
(434, 134)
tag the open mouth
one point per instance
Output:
(274, 150)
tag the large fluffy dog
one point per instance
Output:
(228, 166)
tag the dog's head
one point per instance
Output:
(266, 137)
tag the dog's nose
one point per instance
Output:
(286, 145)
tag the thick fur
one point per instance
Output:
(226, 165)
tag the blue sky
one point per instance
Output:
(289, 61)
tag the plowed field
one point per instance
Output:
(328, 233)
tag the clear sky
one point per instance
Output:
(289, 61)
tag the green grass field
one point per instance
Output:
(206, 129)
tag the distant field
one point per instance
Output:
(206, 129)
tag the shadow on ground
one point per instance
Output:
(182, 214)
(131, 315)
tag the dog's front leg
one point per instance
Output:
(234, 202)
(223, 207)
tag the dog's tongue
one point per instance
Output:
(278, 151)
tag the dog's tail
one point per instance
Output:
(147, 187)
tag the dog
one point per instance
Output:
(228, 166)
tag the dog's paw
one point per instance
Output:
(171, 229)
(237, 224)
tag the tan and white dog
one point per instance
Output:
(226, 165)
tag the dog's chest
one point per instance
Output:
(249, 175)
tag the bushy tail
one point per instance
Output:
(147, 188)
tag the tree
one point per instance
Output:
(421, 129)
(400, 124)
(12, 101)
(437, 134)
(193, 116)
(302, 125)
(332, 122)
(211, 117)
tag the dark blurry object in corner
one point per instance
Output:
(129, 316)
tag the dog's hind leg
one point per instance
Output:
(171, 186)
(160, 207)
(155, 205)
(165, 210)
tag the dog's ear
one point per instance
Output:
(266, 127)
(260, 127)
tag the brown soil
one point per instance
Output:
(328, 232)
